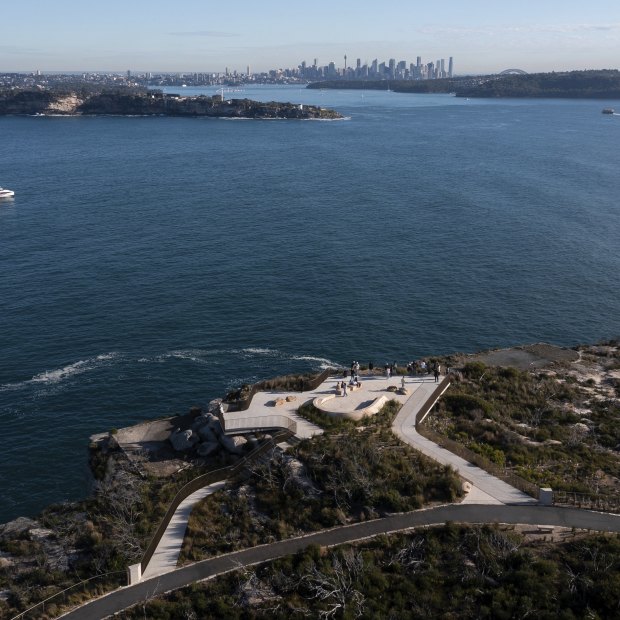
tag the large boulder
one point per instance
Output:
(216, 427)
(234, 445)
(182, 441)
(208, 447)
(206, 433)
(203, 420)
(215, 406)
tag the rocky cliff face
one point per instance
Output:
(152, 104)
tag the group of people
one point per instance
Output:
(419, 367)
(424, 367)
(341, 386)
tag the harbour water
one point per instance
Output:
(151, 264)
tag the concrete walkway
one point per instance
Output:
(486, 489)
(166, 555)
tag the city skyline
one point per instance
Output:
(148, 36)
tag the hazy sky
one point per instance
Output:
(202, 35)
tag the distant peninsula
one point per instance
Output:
(39, 102)
(566, 85)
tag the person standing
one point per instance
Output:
(344, 388)
(436, 369)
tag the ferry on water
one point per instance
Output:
(608, 111)
(6, 193)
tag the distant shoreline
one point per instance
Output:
(602, 85)
(152, 104)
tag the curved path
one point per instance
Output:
(487, 489)
(532, 515)
(168, 550)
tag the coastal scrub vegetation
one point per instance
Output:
(555, 428)
(451, 571)
(99, 536)
(350, 473)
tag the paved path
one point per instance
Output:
(166, 555)
(532, 515)
(486, 488)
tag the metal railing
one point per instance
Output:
(465, 453)
(50, 599)
(442, 386)
(584, 500)
(258, 423)
(200, 482)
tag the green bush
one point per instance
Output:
(466, 404)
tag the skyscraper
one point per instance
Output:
(451, 67)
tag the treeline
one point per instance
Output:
(77, 87)
(571, 85)
(399, 86)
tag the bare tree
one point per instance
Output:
(336, 588)
(411, 555)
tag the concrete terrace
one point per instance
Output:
(262, 406)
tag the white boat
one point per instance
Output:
(6, 193)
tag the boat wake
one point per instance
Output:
(205, 357)
(52, 377)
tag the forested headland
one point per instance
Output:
(603, 84)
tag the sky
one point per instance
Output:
(483, 36)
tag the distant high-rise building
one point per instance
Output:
(451, 67)
(392, 67)
(247, 72)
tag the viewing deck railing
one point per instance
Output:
(494, 469)
(258, 423)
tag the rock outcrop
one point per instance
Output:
(182, 441)
(234, 445)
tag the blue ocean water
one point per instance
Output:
(151, 264)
